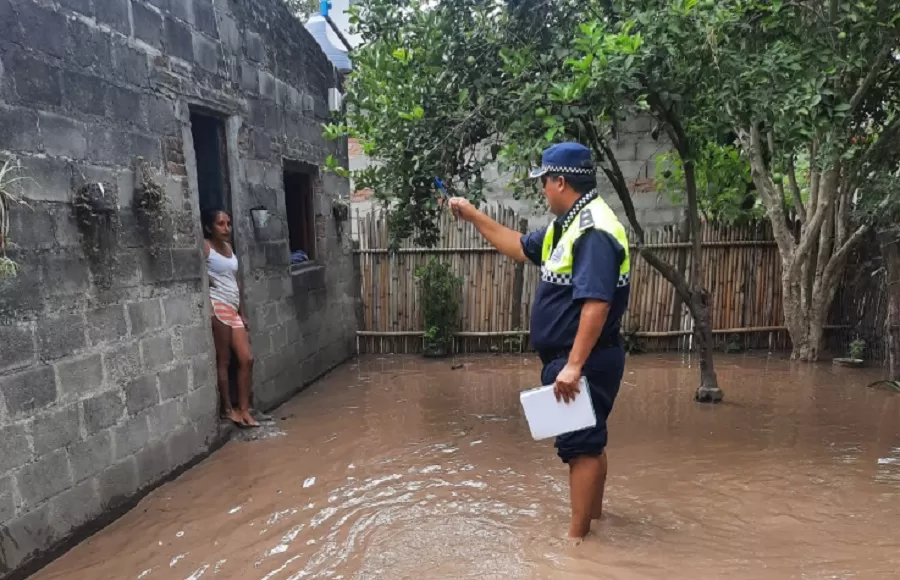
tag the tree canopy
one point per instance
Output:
(800, 97)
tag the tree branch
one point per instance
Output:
(668, 272)
(874, 69)
(838, 257)
(813, 228)
(752, 143)
(795, 191)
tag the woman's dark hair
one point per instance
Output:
(580, 183)
(208, 219)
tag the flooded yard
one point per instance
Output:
(403, 468)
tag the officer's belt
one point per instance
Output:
(603, 342)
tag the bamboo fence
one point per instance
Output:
(741, 270)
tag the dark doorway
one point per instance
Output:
(212, 161)
(211, 156)
(300, 209)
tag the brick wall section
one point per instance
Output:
(105, 388)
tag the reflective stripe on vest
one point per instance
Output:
(556, 263)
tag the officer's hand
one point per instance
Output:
(463, 209)
(566, 386)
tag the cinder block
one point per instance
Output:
(148, 24)
(49, 179)
(63, 137)
(118, 483)
(29, 390)
(202, 402)
(174, 383)
(166, 418)
(183, 9)
(141, 393)
(183, 445)
(130, 437)
(125, 106)
(18, 129)
(181, 310)
(19, 348)
(156, 269)
(60, 336)
(25, 536)
(36, 81)
(106, 324)
(161, 116)
(123, 362)
(82, 6)
(103, 411)
(157, 351)
(113, 13)
(196, 340)
(250, 79)
(145, 317)
(131, 65)
(206, 53)
(152, 463)
(46, 477)
(204, 372)
(80, 376)
(8, 503)
(254, 47)
(75, 507)
(205, 18)
(55, 429)
(85, 94)
(91, 456)
(187, 264)
(15, 449)
(70, 275)
(229, 34)
(47, 25)
(89, 47)
(108, 147)
(179, 40)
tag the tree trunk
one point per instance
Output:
(708, 391)
(691, 293)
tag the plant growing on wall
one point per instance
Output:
(439, 295)
(153, 208)
(8, 179)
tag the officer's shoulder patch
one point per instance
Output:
(587, 220)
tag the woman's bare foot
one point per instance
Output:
(248, 419)
(234, 416)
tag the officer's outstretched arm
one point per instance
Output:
(506, 240)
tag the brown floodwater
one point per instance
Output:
(403, 468)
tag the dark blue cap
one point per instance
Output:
(565, 158)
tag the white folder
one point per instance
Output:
(549, 418)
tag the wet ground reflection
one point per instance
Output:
(401, 468)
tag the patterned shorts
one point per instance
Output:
(226, 314)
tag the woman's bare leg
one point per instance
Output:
(240, 342)
(222, 339)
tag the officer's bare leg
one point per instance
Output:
(585, 475)
(597, 506)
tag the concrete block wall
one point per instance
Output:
(636, 152)
(107, 382)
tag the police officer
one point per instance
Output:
(575, 319)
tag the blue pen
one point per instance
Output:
(441, 188)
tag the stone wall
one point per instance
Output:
(107, 383)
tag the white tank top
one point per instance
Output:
(222, 273)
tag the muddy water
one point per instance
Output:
(399, 468)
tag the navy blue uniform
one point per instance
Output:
(555, 317)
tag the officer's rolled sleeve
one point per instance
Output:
(533, 245)
(595, 268)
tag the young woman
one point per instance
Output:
(228, 322)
